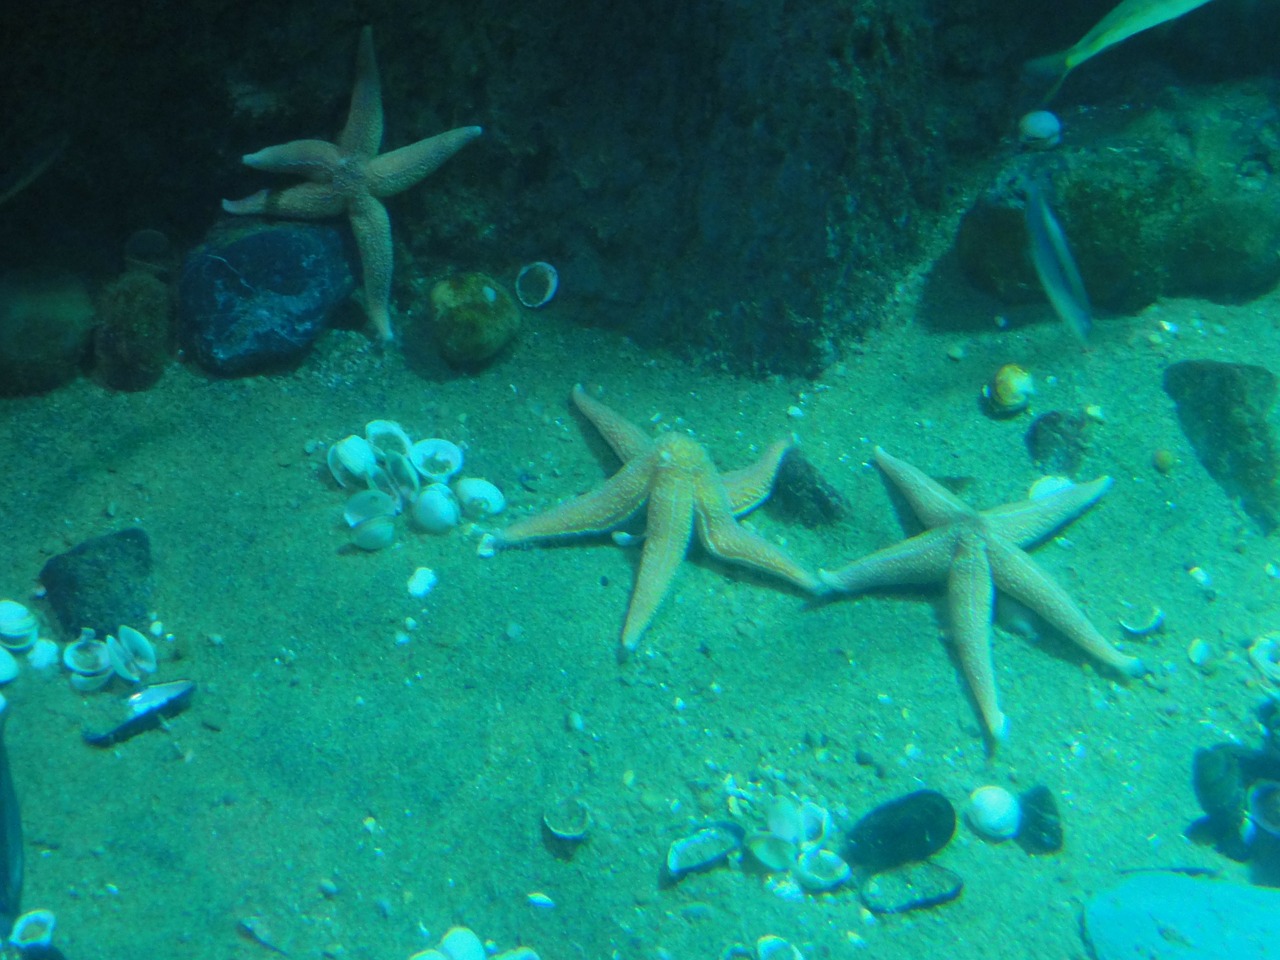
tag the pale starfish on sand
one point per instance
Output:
(351, 177)
(976, 552)
(685, 493)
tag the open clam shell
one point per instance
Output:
(89, 663)
(132, 655)
(351, 460)
(437, 460)
(537, 283)
(387, 436)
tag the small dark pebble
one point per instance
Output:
(1041, 829)
(1057, 441)
(913, 827)
(912, 886)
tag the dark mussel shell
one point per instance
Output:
(912, 827)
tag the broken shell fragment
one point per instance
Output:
(33, 931)
(536, 284)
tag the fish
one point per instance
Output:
(147, 708)
(12, 858)
(1056, 268)
(1128, 18)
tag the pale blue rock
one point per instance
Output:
(1176, 917)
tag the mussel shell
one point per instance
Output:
(703, 849)
(1041, 829)
(912, 827)
(911, 886)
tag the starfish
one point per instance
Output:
(686, 494)
(976, 552)
(351, 177)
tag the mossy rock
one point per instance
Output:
(134, 339)
(474, 319)
(45, 323)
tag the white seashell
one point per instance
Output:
(435, 510)
(402, 475)
(374, 533)
(478, 498)
(770, 947)
(368, 505)
(537, 283)
(818, 869)
(132, 655)
(8, 666)
(386, 436)
(1040, 130)
(437, 460)
(461, 943)
(33, 930)
(87, 657)
(18, 625)
(351, 461)
(43, 654)
(994, 813)
(422, 582)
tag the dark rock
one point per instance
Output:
(101, 583)
(1176, 917)
(804, 495)
(1224, 410)
(256, 301)
(912, 886)
(134, 338)
(1057, 441)
(46, 321)
(1040, 830)
(913, 827)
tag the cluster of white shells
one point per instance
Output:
(20, 633)
(398, 475)
(462, 943)
(91, 662)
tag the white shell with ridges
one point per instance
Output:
(478, 498)
(435, 509)
(994, 813)
(386, 436)
(18, 626)
(351, 461)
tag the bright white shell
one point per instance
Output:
(435, 509)
(422, 582)
(351, 460)
(461, 943)
(18, 625)
(994, 812)
(87, 657)
(478, 498)
(537, 283)
(33, 929)
(437, 460)
(43, 653)
(132, 655)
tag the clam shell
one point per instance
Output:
(374, 533)
(351, 460)
(478, 498)
(18, 625)
(461, 943)
(705, 848)
(8, 666)
(33, 930)
(537, 283)
(87, 657)
(775, 852)
(435, 509)
(402, 475)
(368, 505)
(818, 869)
(437, 460)
(387, 436)
(132, 655)
(568, 819)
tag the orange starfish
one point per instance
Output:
(351, 177)
(686, 494)
(975, 553)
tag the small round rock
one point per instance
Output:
(994, 813)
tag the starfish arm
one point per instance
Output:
(372, 229)
(922, 559)
(601, 509)
(400, 169)
(668, 524)
(314, 159)
(306, 201)
(1018, 575)
(723, 537)
(969, 600)
(751, 486)
(625, 439)
(362, 133)
(933, 503)
(1029, 521)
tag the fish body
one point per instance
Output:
(1128, 18)
(12, 858)
(1055, 266)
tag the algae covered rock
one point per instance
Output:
(46, 320)
(474, 318)
(134, 338)
(1225, 411)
